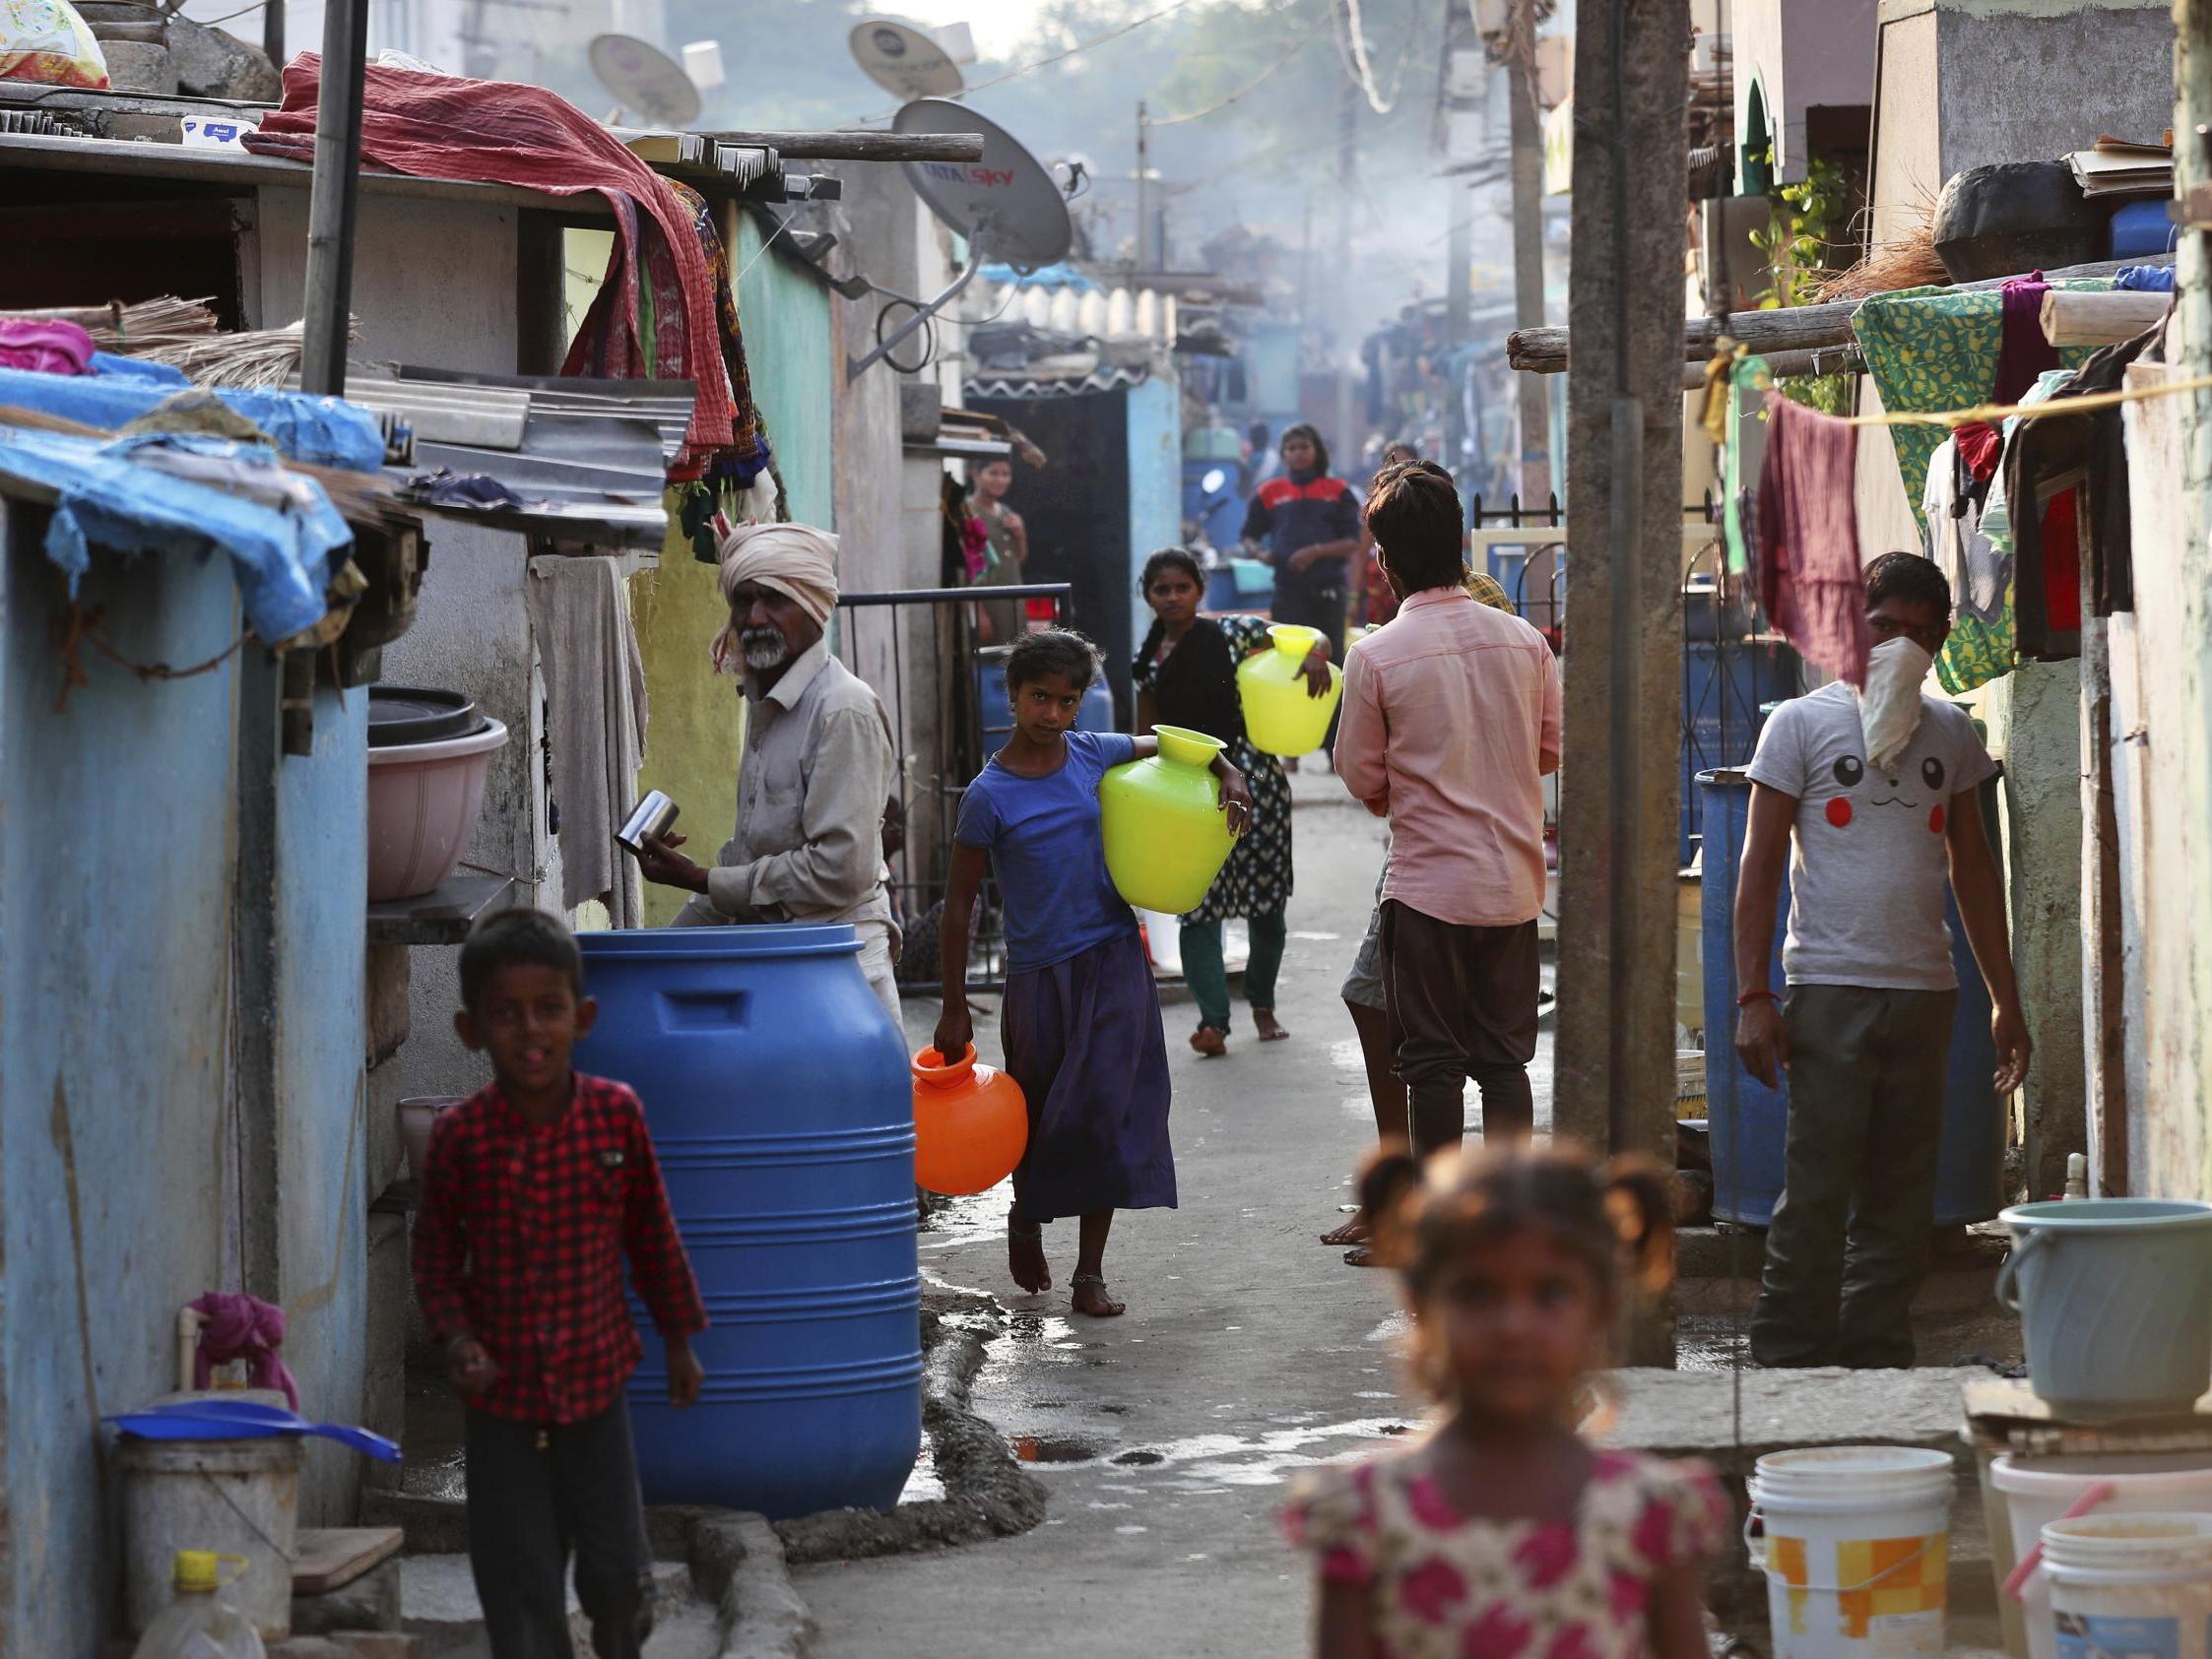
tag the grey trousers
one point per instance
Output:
(530, 1505)
(1849, 1246)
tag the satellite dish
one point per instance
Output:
(645, 79)
(904, 59)
(1005, 205)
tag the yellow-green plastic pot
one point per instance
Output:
(1280, 715)
(1166, 835)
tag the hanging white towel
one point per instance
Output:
(595, 724)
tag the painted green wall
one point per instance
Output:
(698, 725)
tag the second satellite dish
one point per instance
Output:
(1005, 205)
(645, 79)
(905, 60)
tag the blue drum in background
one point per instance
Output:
(1748, 1121)
(782, 1109)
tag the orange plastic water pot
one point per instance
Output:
(971, 1123)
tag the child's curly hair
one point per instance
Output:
(1617, 1220)
(1052, 651)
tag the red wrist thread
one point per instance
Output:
(1751, 996)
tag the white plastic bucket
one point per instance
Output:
(2131, 1584)
(234, 1498)
(2039, 1489)
(1857, 1550)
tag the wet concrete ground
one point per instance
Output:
(1250, 1351)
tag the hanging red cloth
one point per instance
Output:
(1809, 579)
(500, 131)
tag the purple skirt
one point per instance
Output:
(1084, 1040)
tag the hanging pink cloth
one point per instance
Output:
(500, 131)
(1809, 579)
(242, 1328)
(44, 346)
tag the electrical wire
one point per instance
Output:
(1358, 66)
(1297, 46)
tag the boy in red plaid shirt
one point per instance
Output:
(534, 1189)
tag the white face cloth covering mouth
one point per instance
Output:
(1889, 707)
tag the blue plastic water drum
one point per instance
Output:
(1094, 714)
(1748, 1121)
(782, 1109)
(2142, 228)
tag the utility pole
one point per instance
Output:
(1533, 474)
(1619, 779)
(1340, 322)
(1144, 189)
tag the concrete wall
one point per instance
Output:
(1155, 480)
(435, 282)
(697, 731)
(1804, 57)
(2034, 717)
(115, 901)
(2027, 80)
(2160, 760)
(124, 1099)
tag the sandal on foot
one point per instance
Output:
(1094, 1280)
(1210, 1043)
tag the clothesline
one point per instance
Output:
(1750, 376)
(1995, 413)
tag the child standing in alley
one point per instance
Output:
(1502, 1531)
(1451, 721)
(534, 1191)
(1081, 1015)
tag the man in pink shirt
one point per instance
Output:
(1451, 721)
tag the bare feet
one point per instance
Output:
(1025, 1255)
(1270, 1028)
(1361, 1255)
(1354, 1231)
(1209, 1043)
(1091, 1297)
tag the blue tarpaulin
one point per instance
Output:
(326, 431)
(182, 493)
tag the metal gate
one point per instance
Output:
(917, 647)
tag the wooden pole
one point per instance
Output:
(858, 146)
(333, 199)
(1800, 328)
(1532, 476)
(1619, 783)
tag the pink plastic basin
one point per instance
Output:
(423, 805)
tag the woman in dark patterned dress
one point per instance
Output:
(1186, 676)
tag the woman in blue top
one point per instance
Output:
(1082, 1018)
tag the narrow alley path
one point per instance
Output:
(1250, 1350)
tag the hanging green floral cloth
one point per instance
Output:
(1933, 348)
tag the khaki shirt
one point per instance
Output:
(818, 767)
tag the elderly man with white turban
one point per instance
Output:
(820, 765)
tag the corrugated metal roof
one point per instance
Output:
(1024, 386)
(594, 456)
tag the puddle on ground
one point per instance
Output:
(923, 1486)
(1395, 1326)
(1317, 939)
(1212, 1463)
(1347, 1056)
(444, 1477)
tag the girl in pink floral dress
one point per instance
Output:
(1502, 1533)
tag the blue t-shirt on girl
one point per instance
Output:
(1047, 851)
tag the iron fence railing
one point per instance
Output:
(920, 648)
